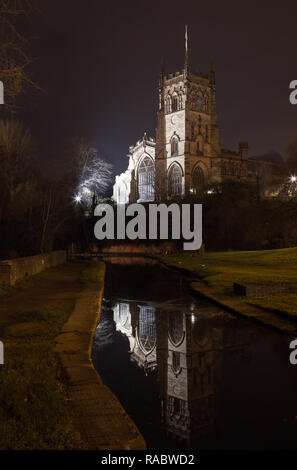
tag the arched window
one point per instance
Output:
(168, 104)
(176, 406)
(174, 102)
(176, 328)
(198, 181)
(174, 146)
(175, 180)
(180, 101)
(147, 329)
(146, 180)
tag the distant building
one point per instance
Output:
(186, 156)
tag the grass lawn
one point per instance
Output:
(221, 269)
(34, 413)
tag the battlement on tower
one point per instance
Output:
(191, 75)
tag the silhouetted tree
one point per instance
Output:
(14, 56)
(291, 157)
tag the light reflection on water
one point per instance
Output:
(188, 373)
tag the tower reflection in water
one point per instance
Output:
(186, 349)
(189, 373)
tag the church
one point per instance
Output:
(186, 157)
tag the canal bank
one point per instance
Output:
(214, 281)
(190, 374)
(34, 411)
(98, 415)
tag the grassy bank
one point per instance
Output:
(33, 393)
(220, 270)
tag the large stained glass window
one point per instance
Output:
(146, 180)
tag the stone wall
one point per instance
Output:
(13, 270)
(260, 290)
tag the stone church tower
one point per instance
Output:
(186, 157)
(187, 134)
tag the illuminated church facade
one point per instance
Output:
(186, 157)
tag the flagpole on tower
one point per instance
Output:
(186, 49)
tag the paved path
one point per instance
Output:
(99, 416)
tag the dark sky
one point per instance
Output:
(99, 64)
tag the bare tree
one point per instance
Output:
(16, 155)
(93, 174)
(14, 58)
(18, 183)
(56, 213)
(96, 175)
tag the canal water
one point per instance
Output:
(190, 374)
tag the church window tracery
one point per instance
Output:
(146, 179)
(175, 180)
(147, 329)
(198, 181)
(168, 104)
(180, 101)
(174, 102)
(176, 328)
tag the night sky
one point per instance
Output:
(99, 64)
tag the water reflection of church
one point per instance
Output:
(186, 353)
(138, 323)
